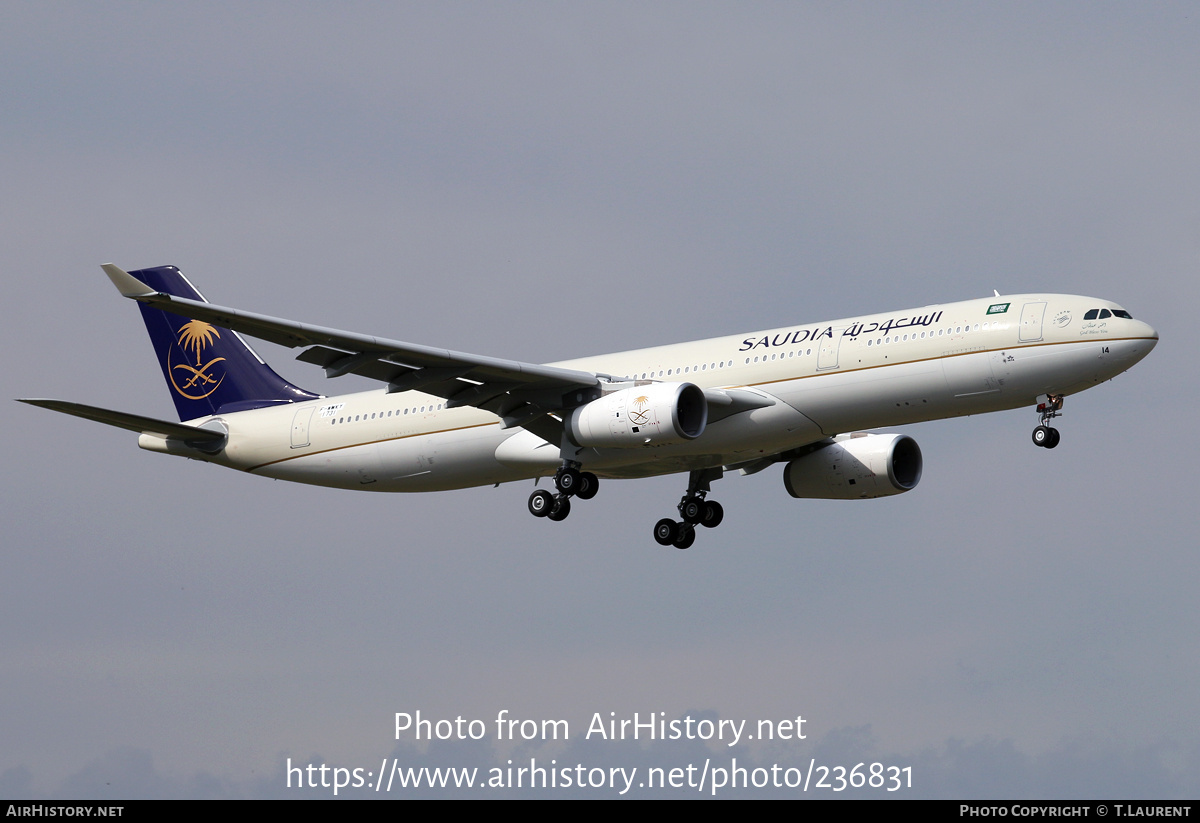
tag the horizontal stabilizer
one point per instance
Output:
(191, 435)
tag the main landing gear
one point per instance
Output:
(1050, 407)
(570, 482)
(695, 511)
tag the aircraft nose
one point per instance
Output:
(1142, 341)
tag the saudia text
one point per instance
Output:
(790, 338)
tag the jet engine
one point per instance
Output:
(856, 466)
(654, 414)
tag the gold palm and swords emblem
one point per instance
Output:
(639, 416)
(196, 335)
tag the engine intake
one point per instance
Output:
(856, 466)
(656, 414)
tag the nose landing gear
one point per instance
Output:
(1050, 407)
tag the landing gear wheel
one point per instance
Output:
(713, 514)
(1049, 406)
(666, 531)
(692, 510)
(560, 509)
(568, 480)
(687, 536)
(540, 503)
(589, 484)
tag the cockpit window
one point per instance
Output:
(1101, 314)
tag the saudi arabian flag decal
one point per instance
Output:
(998, 308)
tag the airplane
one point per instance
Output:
(802, 396)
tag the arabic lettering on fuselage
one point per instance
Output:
(874, 327)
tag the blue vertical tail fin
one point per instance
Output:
(209, 370)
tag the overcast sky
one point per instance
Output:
(547, 181)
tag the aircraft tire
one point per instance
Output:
(714, 513)
(665, 531)
(540, 503)
(1052, 439)
(692, 510)
(589, 484)
(1041, 435)
(560, 509)
(568, 480)
(687, 536)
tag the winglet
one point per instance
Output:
(126, 283)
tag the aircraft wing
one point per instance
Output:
(520, 393)
(192, 435)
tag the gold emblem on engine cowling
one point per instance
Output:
(639, 415)
(198, 381)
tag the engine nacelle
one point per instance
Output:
(656, 414)
(855, 467)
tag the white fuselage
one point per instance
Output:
(821, 379)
